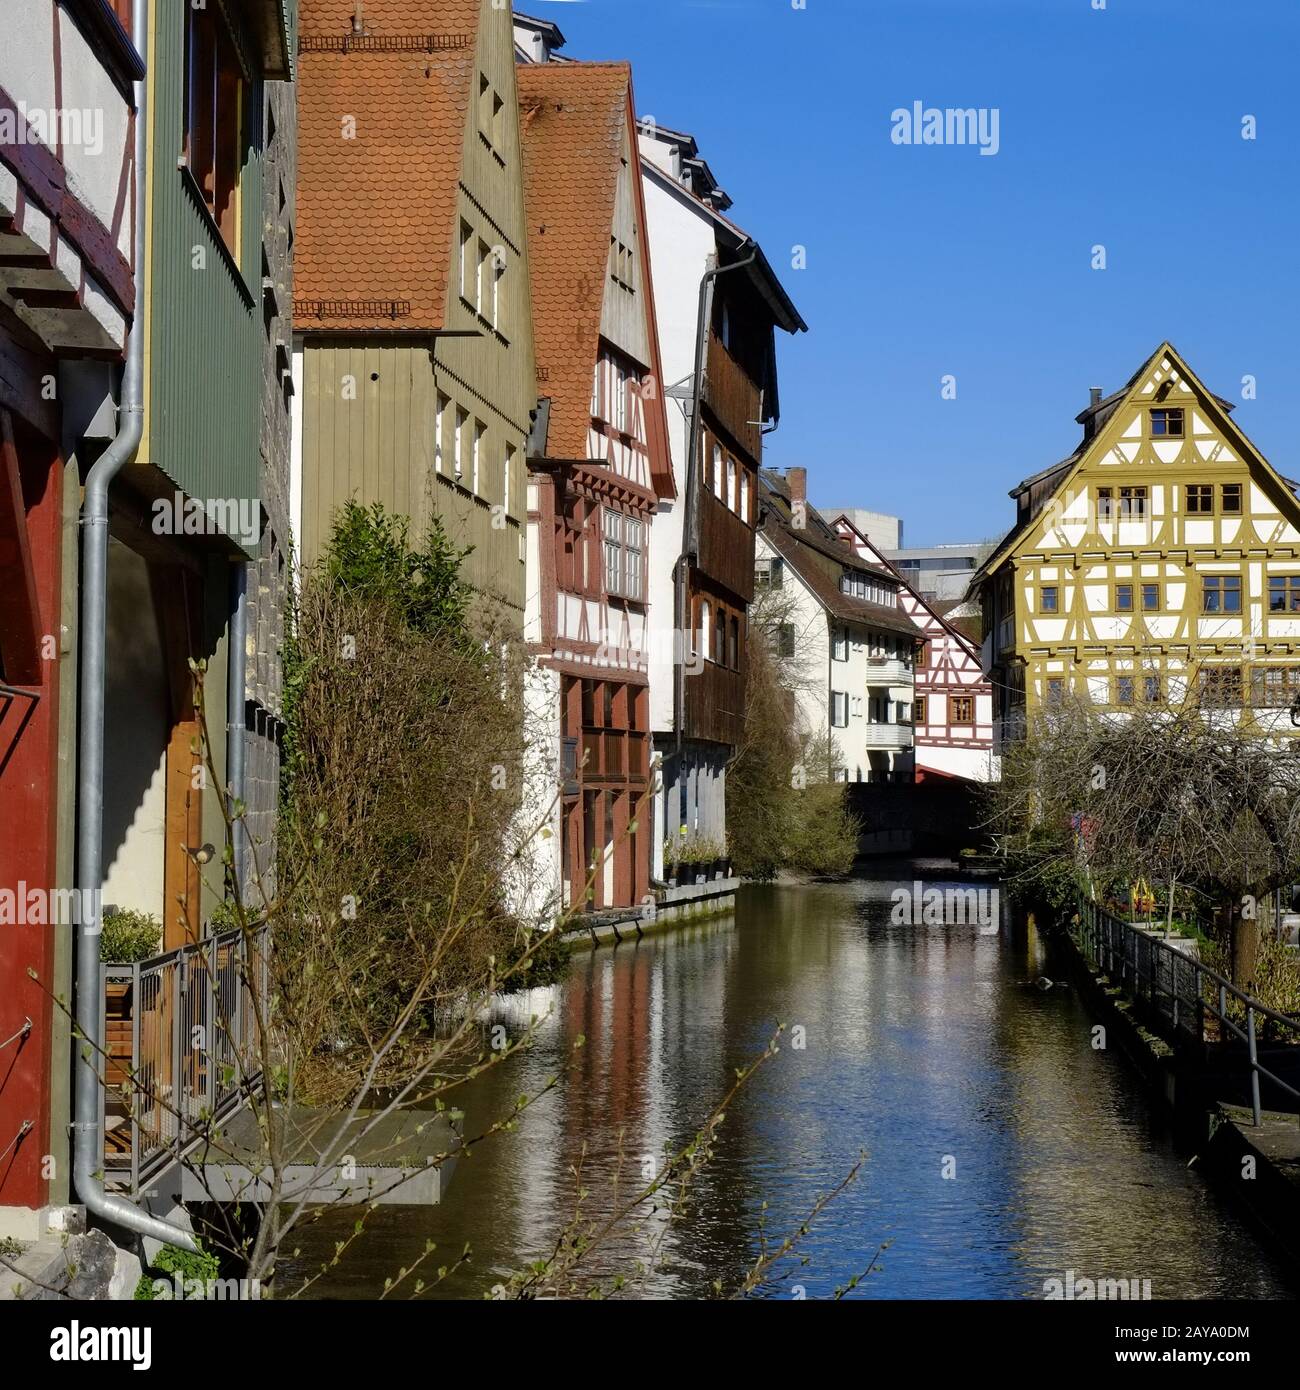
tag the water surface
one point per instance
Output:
(1003, 1150)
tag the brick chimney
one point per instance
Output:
(796, 479)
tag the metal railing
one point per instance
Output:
(180, 1033)
(1178, 989)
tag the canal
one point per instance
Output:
(1003, 1149)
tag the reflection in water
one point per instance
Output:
(923, 1046)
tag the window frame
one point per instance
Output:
(1224, 585)
(1169, 412)
(956, 703)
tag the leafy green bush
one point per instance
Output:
(129, 936)
(201, 1267)
(824, 836)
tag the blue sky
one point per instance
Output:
(1120, 127)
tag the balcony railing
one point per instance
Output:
(180, 1034)
(889, 737)
(888, 670)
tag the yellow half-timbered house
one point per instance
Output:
(1159, 562)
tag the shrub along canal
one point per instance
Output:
(928, 1046)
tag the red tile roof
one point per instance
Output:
(376, 221)
(573, 118)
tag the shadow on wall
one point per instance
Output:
(916, 818)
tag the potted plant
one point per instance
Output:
(672, 868)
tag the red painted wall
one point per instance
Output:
(28, 797)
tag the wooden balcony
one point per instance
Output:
(715, 704)
(726, 547)
(734, 399)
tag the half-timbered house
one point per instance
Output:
(1158, 562)
(598, 466)
(952, 703)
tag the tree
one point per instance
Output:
(1182, 792)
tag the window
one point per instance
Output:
(768, 573)
(865, 587)
(730, 499)
(632, 557)
(1284, 593)
(1047, 599)
(734, 654)
(480, 430)
(483, 280)
(1151, 598)
(1123, 690)
(1220, 687)
(1105, 504)
(1132, 503)
(839, 710)
(840, 644)
(507, 472)
(1151, 690)
(1230, 499)
(1055, 690)
(785, 640)
(624, 560)
(614, 565)
(720, 638)
(717, 472)
(468, 269)
(963, 709)
(1123, 598)
(1221, 593)
(1167, 423)
(458, 444)
(1274, 687)
(744, 495)
(923, 654)
(1200, 498)
(215, 117)
(920, 709)
(491, 273)
(439, 424)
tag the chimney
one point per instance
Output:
(796, 479)
(1094, 395)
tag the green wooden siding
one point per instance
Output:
(205, 331)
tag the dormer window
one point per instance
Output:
(1166, 424)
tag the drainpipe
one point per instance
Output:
(235, 707)
(690, 527)
(88, 1119)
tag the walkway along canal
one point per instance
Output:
(929, 1046)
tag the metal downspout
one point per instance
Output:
(235, 720)
(88, 1119)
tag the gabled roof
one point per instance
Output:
(937, 610)
(376, 222)
(576, 122)
(1095, 420)
(738, 241)
(800, 547)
